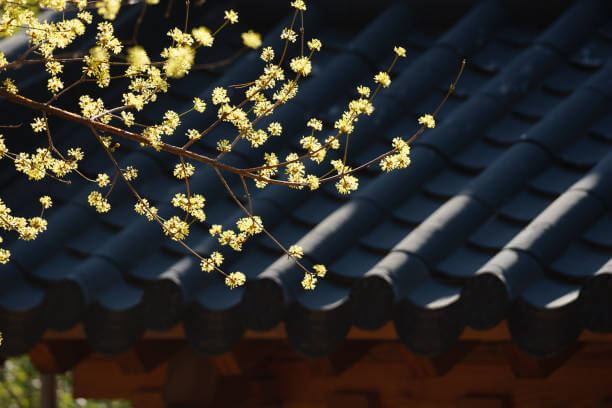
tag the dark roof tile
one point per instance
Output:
(474, 30)
(418, 207)
(494, 234)
(566, 79)
(461, 263)
(546, 320)
(599, 234)
(603, 128)
(508, 130)
(584, 153)
(551, 230)
(523, 207)
(536, 104)
(580, 20)
(518, 36)
(446, 184)
(493, 57)
(554, 180)
(477, 156)
(384, 236)
(579, 261)
(353, 264)
(593, 54)
(430, 319)
(435, 247)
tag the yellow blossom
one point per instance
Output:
(193, 134)
(251, 39)
(38, 125)
(364, 91)
(288, 34)
(399, 51)
(321, 270)
(5, 255)
(10, 86)
(144, 208)
(315, 123)
(347, 184)
(235, 279)
(199, 105)
(226, 237)
(85, 16)
(207, 265)
(215, 229)
(231, 16)
(224, 145)
(427, 120)
(299, 5)
(313, 181)
(179, 60)
(46, 201)
(128, 118)
(383, 79)
(309, 282)
(183, 171)
(250, 225)
(267, 54)
(180, 37)
(100, 203)
(108, 8)
(315, 45)
(137, 56)
(296, 251)
(219, 95)
(203, 36)
(3, 60)
(130, 173)
(301, 65)
(275, 129)
(102, 180)
(176, 228)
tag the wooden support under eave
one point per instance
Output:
(191, 380)
(55, 356)
(526, 366)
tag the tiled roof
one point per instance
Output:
(504, 214)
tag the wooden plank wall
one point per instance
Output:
(362, 373)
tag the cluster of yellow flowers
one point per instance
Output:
(309, 282)
(36, 166)
(213, 261)
(99, 202)
(192, 205)
(400, 160)
(27, 229)
(144, 208)
(176, 228)
(147, 80)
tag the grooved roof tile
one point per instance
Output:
(503, 214)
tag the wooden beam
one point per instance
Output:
(423, 367)
(54, 357)
(245, 356)
(148, 354)
(101, 377)
(147, 399)
(526, 366)
(387, 332)
(352, 399)
(344, 357)
(191, 379)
